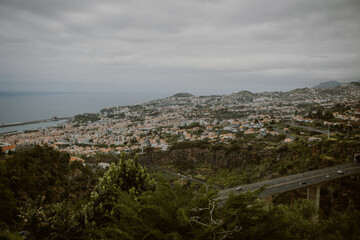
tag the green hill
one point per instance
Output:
(183, 95)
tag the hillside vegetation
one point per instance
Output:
(130, 203)
(251, 161)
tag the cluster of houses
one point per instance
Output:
(158, 124)
(116, 135)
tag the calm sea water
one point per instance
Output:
(28, 106)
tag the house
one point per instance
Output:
(72, 159)
(287, 140)
(249, 132)
(164, 147)
(103, 164)
(209, 128)
(7, 149)
(187, 135)
(263, 132)
(83, 140)
(312, 139)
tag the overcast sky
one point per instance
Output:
(165, 46)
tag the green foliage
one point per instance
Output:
(183, 95)
(33, 212)
(162, 214)
(170, 212)
(240, 163)
(38, 171)
(298, 220)
(133, 141)
(102, 145)
(102, 157)
(191, 125)
(126, 205)
(56, 221)
(341, 225)
(245, 217)
(184, 165)
(191, 144)
(64, 223)
(281, 137)
(128, 176)
(7, 235)
(86, 117)
(229, 114)
(83, 180)
(7, 198)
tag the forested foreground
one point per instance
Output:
(43, 196)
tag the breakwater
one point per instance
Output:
(54, 119)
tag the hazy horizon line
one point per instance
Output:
(45, 92)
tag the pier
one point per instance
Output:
(54, 119)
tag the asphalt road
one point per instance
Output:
(282, 184)
(288, 183)
(309, 128)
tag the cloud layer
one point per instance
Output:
(201, 46)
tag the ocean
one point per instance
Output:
(30, 106)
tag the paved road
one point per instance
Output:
(282, 184)
(311, 178)
(309, 128)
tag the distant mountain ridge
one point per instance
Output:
(182, 95)
(268, 102)
(323, 88)
(328, 84)
(338, 93)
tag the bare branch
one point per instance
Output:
(193, 219)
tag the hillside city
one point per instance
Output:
(183, 117)
(271, 165)
(184, 120)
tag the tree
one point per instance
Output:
(7, 199)
(128, 176)
(38, 171)
(297, 221)
(33, 212)
(64, 223)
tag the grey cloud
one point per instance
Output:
(162, 45)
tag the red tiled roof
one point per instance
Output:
(8, 148)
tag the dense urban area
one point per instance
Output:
(219, 119)
(86, 179)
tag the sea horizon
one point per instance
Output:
(23, 106)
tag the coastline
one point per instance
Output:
(19, 128)
(54, 119)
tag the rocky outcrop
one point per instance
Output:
(222, 158)
(317, 156)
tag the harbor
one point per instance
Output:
(54, 119)
(18, 127)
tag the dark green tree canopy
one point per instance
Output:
(126, 177)
(38, 171)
